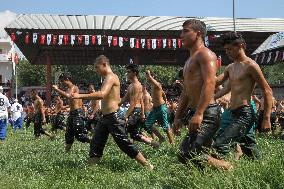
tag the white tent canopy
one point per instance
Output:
(274, 41)
(109, 22)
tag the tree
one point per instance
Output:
(30, 75)
(274, 74)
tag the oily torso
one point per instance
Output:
(157, 96)
(135, 98)
(193, 81)
(74, 103)
(242, 84)
(110, 102)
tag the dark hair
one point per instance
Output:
(64, 77)
(233, 38)
(101, 59)
(133, 68)
(196, 25)
(34, 91)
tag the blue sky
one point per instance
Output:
(196, 8)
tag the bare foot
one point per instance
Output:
(220, 164)
(149, 166)
(239, 152)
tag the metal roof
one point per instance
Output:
(75, 22)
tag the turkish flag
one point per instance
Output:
(42, 39)
(137, 43)
(114, 41)
(169, 43)
(93, 39)
(13, 36)
(148, 43)
(65, 39)
(179, 43)
(54, 39)
(80, 39)
(27, 38)
(159, 43)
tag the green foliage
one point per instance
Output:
(274, 74)
(26, 163)
(31, 75)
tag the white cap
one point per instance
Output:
(16, 100)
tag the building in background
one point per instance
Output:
(6, 66)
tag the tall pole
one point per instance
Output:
(234, 17)
(48, 79)
(16, 82)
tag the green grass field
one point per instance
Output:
(26, 163)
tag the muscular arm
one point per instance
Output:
(257, 75)
(106, 87)
(208, 71)
(62, 93)
(222, 77)
(154, 82)
(42, 109)
(182, 105)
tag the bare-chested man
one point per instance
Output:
(110, 122)
(135, 115)
(197, 96)
(39, 116)
(30, 111)
(59, 116)
(75, 122)
(147, 100)
(243, 74)
(159, 112)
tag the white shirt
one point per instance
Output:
(4, 104)
(16, 110)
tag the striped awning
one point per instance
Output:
(100, 22)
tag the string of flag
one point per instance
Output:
(103, 40)
(269, 57)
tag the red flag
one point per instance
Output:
(169, 43)
(54, 39)
(159, 43)
(13, 36)
(42, 39)
(137, 43)
(179, 43)
(27, 38)
(80, 39)
(93, 39)
(65, 39)
(114, 41)
(148, 43)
